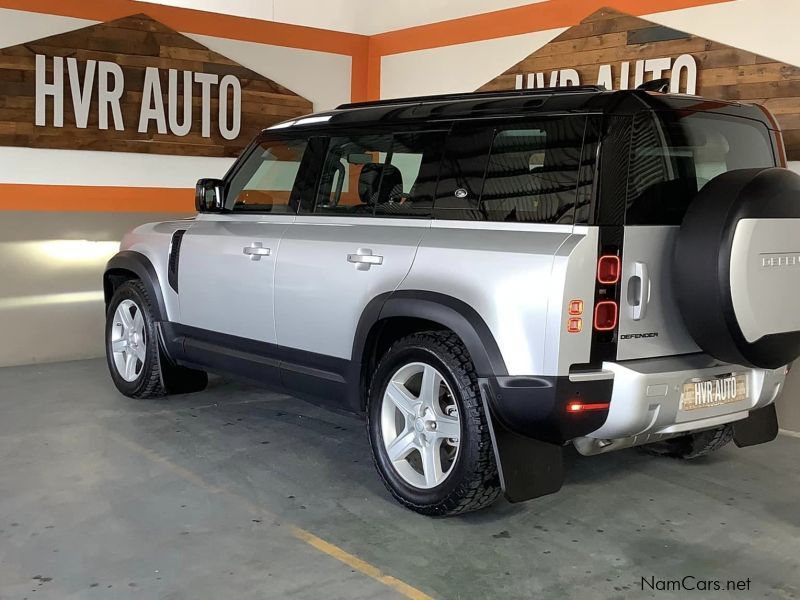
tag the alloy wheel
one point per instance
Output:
(128, 342)
(420, 425)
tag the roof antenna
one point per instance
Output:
(657, 85)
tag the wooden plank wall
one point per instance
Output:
(611, 37)
(134, 43)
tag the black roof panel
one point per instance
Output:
(450, 107)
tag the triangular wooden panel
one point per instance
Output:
(134, 43)
(611, 37)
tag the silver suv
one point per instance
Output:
(487, 278)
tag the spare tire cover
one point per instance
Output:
(737, 267)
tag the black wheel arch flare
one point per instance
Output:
(130, 261)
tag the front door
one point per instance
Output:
(227, 261)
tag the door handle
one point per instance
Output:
(255, 251)
(639, 290)
(364, 259)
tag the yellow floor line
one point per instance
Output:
(359, 565)
(299, 533)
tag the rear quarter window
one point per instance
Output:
(674, 155)
(536, 171)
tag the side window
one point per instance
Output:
(534, 172)
(382, 175)
(266, 180)
(461, 177)
(351, 175)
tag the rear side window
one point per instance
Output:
(675, 154)
(265, 181)
(391, 174)
(536, 172)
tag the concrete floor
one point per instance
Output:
(238, 493)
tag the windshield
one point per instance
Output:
(675, 154)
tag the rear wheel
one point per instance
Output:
(693, 445)
(427, 428)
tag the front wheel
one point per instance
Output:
(137, 367)
(428, 432)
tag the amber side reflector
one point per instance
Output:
(575, 325)
(576, 307)
(605, 315)
(576, 407)
(608, 269)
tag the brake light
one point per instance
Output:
(576, 406)
(608, 269)
(605, 315)
(576, 308)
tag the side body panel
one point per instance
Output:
(572, 278)
(153, 241)
(502, 270)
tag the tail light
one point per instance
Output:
(606, 314)
(609, 267)
(607, 288)
(606, 308)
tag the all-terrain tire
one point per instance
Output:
(473, 482)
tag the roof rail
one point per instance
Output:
(657, 85)
(474, 95)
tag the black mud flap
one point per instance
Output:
(760, 427)
(528, 468)
(174, 378)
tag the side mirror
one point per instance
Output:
(208, 196)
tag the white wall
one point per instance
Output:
(365, 17)
(321, 77)
(458, 68)
(766, 27)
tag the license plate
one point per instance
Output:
(715, 391)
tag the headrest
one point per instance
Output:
(370, 179)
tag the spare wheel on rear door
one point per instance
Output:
(737, 267)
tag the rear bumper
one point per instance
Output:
(536, 407)
(647, 393)
(643, 396)
(530, 423)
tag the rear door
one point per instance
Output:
(673, 155)
(354, 240)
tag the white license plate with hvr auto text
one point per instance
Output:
(715, 391)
